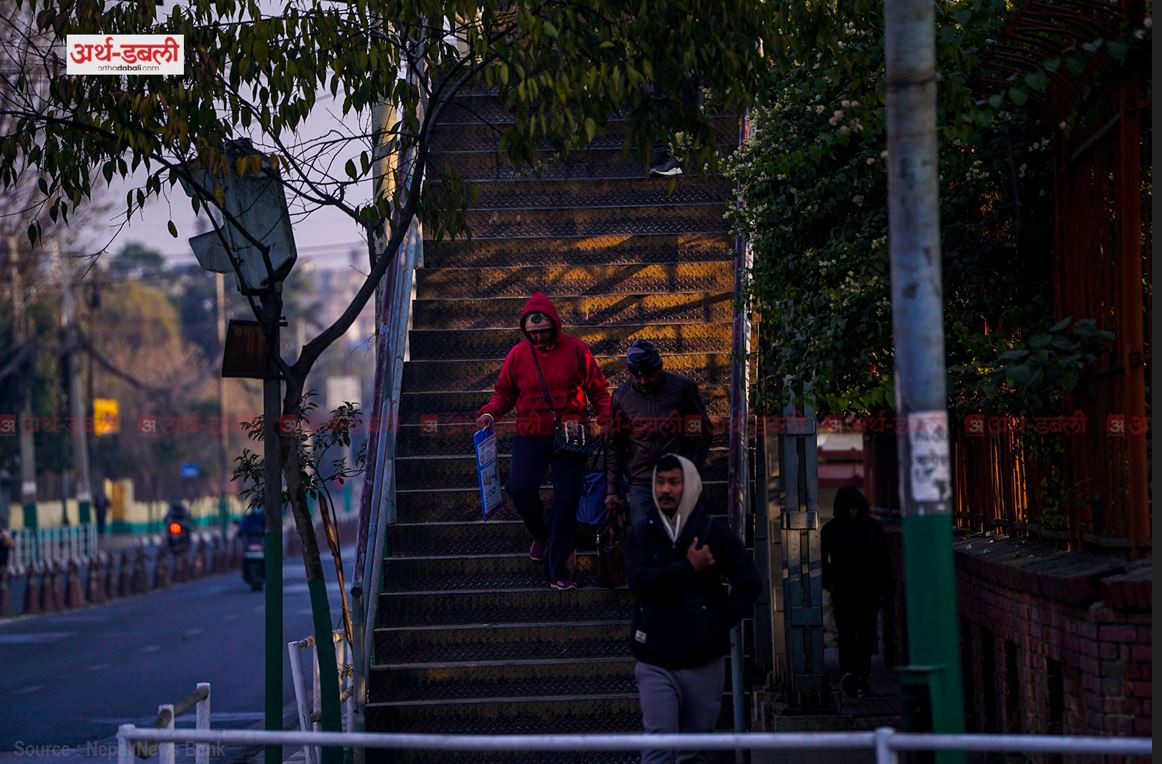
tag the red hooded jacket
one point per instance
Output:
(571, 374)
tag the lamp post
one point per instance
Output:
(255, 204)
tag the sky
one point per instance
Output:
(325, 238)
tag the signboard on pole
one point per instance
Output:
(487, 470)
(106, 417)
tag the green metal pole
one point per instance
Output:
(272, 505)
(918, 333)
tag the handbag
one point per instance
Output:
(611, 551)
(566, 439)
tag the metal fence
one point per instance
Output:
(63, 542)
(886, 742)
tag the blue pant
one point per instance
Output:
(640, 498)
(531, 457)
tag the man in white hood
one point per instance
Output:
(675, 562)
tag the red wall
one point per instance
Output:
(1052, 641)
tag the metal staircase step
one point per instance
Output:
(420, 376)
(597, 220)
(486, 162)
(478, 121)
(449, 406)
(576, 310)
(490, 716)
(420, 440)
(611, 249)
(578, 640)
(573, 281)
(463, 505)
(597, 193)
(510, 678)
(459, 471)
(430, 608)
(494, 344)
(497, 571)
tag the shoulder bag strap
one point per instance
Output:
(545, 387)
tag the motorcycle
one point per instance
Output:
(251, 532)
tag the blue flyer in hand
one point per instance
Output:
(487, 470)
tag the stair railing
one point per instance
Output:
(394, 318)
(738, 488)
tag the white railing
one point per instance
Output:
(310, 707)
(885, 742)
(167, 713)
(60, 542)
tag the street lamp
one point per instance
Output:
(256, 243)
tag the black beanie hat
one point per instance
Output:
(643, 357)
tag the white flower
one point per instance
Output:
(844, 130)
(1061, 125)
(1140, 34)
(1147, 22)
(871, 160)
(845, 104)
(884, 154)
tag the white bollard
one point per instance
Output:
(202, 750)
(166, 752)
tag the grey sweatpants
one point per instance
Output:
(679, 700)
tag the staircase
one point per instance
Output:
(470, 639)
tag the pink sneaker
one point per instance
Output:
(537, 551)
(563, 584)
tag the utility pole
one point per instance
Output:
(918, 330)
(223, 432)
(272, 504)
(76, 401)
(27, 447)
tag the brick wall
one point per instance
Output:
(1052, 642)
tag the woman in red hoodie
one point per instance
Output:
(572, 376)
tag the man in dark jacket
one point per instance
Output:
(675, 560)
(858, 573)
(654, 413)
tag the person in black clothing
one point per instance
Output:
(654, 413)
(858, 574)
(675, 561)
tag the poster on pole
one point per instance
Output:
(487, 470)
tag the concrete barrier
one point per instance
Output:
(32, 589)
(97, 578)
(74, 592)
(49, 600)
(163, 569)
(5, 595)
(140, 580)
(125, 573)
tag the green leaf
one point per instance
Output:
(1019, 374)
(1037, 80)
(173, 229)
(1052, 65)
(1062, 325)
(996, 101)
(551, 30)
(350, 169)
(1117, 49)
(1018, 96)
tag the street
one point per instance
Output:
(69, 679)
